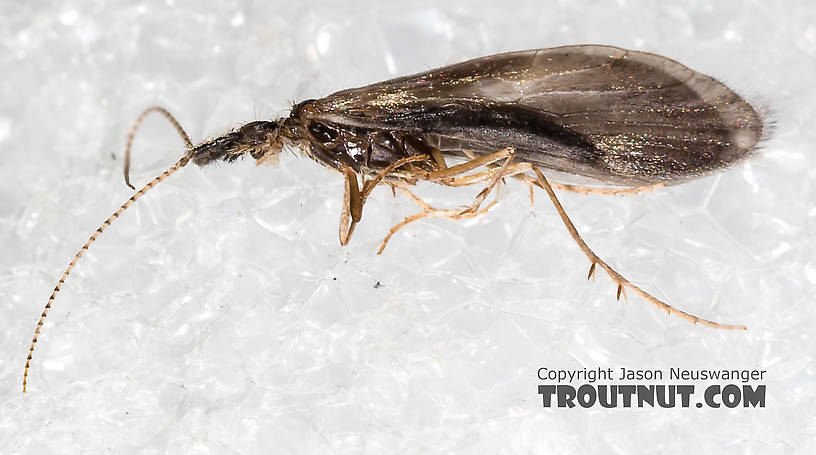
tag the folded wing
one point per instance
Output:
(640, 118)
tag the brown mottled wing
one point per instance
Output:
(645, 118)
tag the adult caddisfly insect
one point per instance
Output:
(623, 121)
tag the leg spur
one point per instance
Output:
(622, 282)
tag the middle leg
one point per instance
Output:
(450, 176)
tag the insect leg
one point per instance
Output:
(453, 176)
(369, 185)
(449, 177)
(354, 197)
(606, 191)
(135, 127)
(352, 209)
(588, 189)
(530, 185)
(617, 277)
(502, 172)
(493, 175)
(428, 212)
(438, 158)
(443, 174)
(487, 175)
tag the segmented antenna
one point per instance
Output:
(132, 134)
(179, 164)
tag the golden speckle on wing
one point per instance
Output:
(640, 111)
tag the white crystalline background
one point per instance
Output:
(220, 314)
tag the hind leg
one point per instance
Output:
(617, 277)
(450, 176)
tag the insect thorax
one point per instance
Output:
(365, 150)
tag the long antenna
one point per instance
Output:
(160, 110)
(179, 164)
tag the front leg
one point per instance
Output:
(354, 197)
(352, 210)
